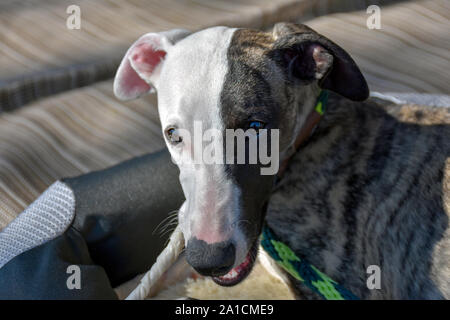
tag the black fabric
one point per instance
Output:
(41, 273)
(118, 210)
(112, 237)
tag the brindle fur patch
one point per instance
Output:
(371, 187)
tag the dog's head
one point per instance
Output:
(223, 78)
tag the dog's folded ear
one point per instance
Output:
(140, 67)
(308, 56)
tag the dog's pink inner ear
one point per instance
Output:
(130, 84)
(145, 59)
(323, 60)
(136, 69)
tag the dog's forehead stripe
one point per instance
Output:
(248, 87)
(251, 39)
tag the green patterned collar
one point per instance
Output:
(301, 270)
(321, 103)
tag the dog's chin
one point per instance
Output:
(239, 273)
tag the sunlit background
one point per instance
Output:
(58, 116)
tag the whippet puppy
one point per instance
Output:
(360, 188)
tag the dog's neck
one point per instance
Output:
(307, 130)
(307, 209)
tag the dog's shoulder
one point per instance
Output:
(415, 113)
(378, 119)
(381, 109)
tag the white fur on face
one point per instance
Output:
(189, 90)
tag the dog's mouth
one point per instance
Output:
(239, 273)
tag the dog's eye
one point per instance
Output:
(173, 135)
(257, 125)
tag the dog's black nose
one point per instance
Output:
(214, 259)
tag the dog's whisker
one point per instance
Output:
(170, 230)
(169, 223)
(170, 216)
